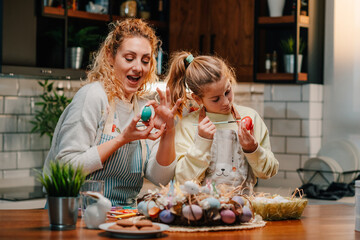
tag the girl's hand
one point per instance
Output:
(206, 128)
(164, 114)
(246, 138)
(132, 133)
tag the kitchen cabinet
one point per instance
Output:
(302, 20)
(224, 28)
(35, 35)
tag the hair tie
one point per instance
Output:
(189, 58)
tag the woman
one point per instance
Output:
(206, 150)
(99, 129)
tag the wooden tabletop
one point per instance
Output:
(335, 221)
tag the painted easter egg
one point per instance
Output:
(144, 206)
(239, 200)
(228, 216)
(247, 214)
(166, 216)
(210, 202)
(248, 123)
(146, 114)
(195, 213)
(154, 212)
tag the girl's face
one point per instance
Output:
(217, 97)
(132, 63)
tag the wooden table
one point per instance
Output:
(328, 222)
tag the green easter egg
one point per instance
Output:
(146, 113)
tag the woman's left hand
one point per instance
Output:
(246, 138)
(163, 111)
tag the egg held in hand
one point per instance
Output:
(248, 122)
(146, 114)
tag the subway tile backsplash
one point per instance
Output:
(292, 113)
(20, 150)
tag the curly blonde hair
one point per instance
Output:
(101, 69)
(195, 76)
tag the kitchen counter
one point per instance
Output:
(318, 222)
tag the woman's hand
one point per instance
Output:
(164, 114)
(206, 128)
(246, 138)
(132, 132)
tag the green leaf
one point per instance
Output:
(288, 45)
(63, 180)
(52, 105)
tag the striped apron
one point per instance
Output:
(123, 171)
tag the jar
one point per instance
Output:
(357, 205)
(128, 8)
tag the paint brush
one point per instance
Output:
(224, 122)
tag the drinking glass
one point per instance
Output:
(93, 186)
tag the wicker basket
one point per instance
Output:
(280, 210)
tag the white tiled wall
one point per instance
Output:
(293, 114)
(20, 150)
(250, 95)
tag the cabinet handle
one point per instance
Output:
(201, 43)
(212, 43)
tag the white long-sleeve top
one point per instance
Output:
(79, 130)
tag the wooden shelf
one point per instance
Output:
(88, 15)
(54, 11)
(93, 16)
(302, 77)
(304, 20)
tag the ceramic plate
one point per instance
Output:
(133, 234)
(345, 153)
(328, 171)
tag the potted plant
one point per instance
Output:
(86, 39)
(288, 48)
(62, 182)
(52, 105)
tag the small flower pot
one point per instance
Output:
(63, 212)
(289, 65)
(75, 55)
(276, 7)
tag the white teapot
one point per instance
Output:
(95, 214)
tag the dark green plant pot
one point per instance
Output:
(63, 212)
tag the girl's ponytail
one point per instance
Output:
(176, 79)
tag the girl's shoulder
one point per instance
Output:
(245, 111)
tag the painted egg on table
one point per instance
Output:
(239, 200)
(166, 216)
(210, 203)
(143, 207)
(247, 214)
(146, 114)
(192, 213)
(228, 216)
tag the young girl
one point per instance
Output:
(209, 151)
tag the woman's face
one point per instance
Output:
(132, 63)
(217, 97)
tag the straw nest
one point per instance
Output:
(287, 208)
